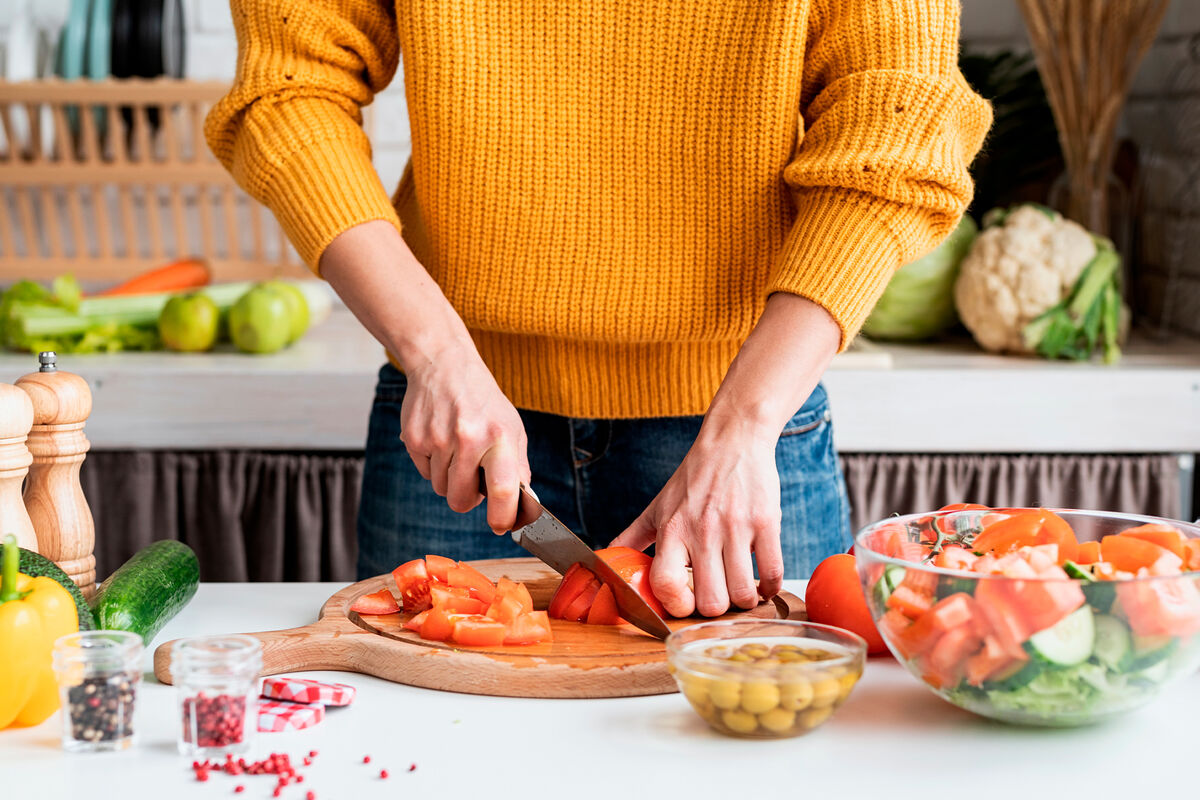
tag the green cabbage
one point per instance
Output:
(918, 302)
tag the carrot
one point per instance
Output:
(190, 273)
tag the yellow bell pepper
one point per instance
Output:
(33, 613)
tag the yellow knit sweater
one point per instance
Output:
(608, 191)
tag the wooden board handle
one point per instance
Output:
(324, 645)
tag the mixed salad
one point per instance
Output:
(1009, 615)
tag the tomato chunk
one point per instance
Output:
(412, 579)
(1010, 533)
(506, 607)
(439, 625)
(1131, 554)
(577, 611)
(416, 622)
(1161, 608)
(439, 567)
(1088, 553)
(1164, 536)
(381, 602)
(909, 603)
(467, 577)
(1192, 549)
(478, 631)
(604, 608)
(574, 582)
(530, 628)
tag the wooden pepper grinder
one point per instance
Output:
(16, 416)
(54, 497)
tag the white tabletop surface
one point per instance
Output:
(892, 739)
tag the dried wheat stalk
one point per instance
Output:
(1087, 52)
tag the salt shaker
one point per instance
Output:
(54, 497)
(16, 417)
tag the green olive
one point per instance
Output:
(740, 721)
(790, 656)
(846, 684)
(755, 650)
(825, 692)
(725, 694)
(766, 663)
(721, 651)
(741, 658)
(696, 688)
(796, 696)
(815, 716)
(780, 649)
(777, 720)
(759, 696)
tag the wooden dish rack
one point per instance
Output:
(122, 183)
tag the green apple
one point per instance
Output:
(297, 305)
(188, 323)
(260, 321)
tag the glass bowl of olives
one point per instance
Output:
(765, 679)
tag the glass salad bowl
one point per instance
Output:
(1034, 616)
(765, 679)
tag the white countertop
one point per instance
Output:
(886, 398)
(892, 739)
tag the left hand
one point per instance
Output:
(721, 506)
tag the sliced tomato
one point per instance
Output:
(1191, 548)
(462, 605)
(1056, 530)
(1164, 536)
(1088, 553)
(952, 612)
(439, 567)
(625, 560)
(467, 577)
(955, 557)
(1131, 554)
(506, 607)
(577, 611)
(530, 628)
(1011, 533)
(416, 622)
(381, 602)
(948, 658)
(519, 590)
(477, 630)
(909, 603)
(440, 592)
(640, 581)
(412, 579)
(439, 625)
(993, 662)
(1161, 607)
(604, 608)
(574, 582)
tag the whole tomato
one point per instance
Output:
(834, 598)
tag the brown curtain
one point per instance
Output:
(250, 516)
(270, 516)
(880, 485)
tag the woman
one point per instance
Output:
(630, 239)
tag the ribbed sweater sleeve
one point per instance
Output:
(880, 176)
(290, 129)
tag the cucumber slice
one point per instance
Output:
(1100, 595)
(1073, 570)
(887, 583)
(1068, 642)
(1114, 644)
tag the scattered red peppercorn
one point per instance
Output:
(239, 789)
(312, 753)
(310, 795)
(366, 759)
(383, 773)
(412, 767)
(276, 792)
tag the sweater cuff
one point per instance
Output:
(840, 252)
(323, 187)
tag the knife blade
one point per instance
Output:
(544, 536)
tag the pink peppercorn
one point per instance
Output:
(366, 759)
(310, 796)
(239, 789)
(383, 773)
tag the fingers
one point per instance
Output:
(708, 570)
(638, 535)
(739, 576)
(669, 576)
(462, 487)
(439, 467)
(503, 472)
(769, 555)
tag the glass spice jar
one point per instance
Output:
(98, 674)
(216, 681)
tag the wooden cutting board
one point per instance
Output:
(582, 661)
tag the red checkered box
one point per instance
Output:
(303, 690)
(282, 715)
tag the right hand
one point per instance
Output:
(455, 421)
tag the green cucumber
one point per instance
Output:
(1114, 644)
(1073, 570)
(892, 575)
(35, 565)
(1100, 595)
(1067, 642)
(148, 590)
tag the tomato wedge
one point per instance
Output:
(412, 579)
(577, 611)
(1161, 607)
(530, 628)
(1192, 548)
(506, 607)
(1164, 536)
(604, 608)
(439, 625)
(416, 622)
(439, 567)
(1131, 554)
(908, 602)
(574, 582)
(467, 577)
(381, 602)
(476, 630)
(1010, 533)
(1088, 553)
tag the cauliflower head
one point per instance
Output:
(1016, 270)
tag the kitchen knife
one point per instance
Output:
(541, 533)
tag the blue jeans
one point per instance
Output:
(595, 475)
